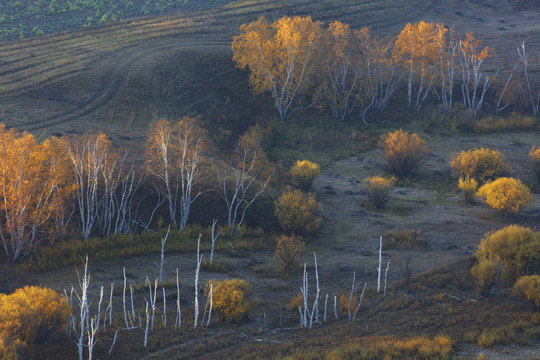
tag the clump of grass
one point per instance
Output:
(403, 238)
(495, 124)
(216, 266)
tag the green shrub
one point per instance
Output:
(505, 195)
(297, 212)
(480, 164)
(528, 287)
(288, 248)
(230, 298)
(402, 152)
(378, 189)
(304, 172)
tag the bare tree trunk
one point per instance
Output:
(197, 270)
(162, 258)
(214, 238)
(379, 268)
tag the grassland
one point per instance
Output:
(120, 76)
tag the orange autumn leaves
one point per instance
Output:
(36, 183)
(301, 64)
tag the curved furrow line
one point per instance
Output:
(113, 85)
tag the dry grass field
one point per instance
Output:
(121, 78)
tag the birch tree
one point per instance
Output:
(380, 73)
(530, 93)
(174, 155)
(245, 179)
(474, 83)
(282, 58)
(416, 48)
(340, 70)
(31, 178)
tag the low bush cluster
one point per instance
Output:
(402, 238)
(506, 255)
(402, 152)
(29, 315)
(514, 122)
(480, 164)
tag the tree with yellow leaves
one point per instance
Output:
(340, 69)
(282, 58)
(416, 49)
(471, 57)
(174, 153)
(34, 187)
(245, 178)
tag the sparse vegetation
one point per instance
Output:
(288, 249)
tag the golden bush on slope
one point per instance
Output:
(468, 187)
(506, 254)
(32, 314)
(505, 195)
(528, 287)
(402, 152)
(230, 298)
(288, 248)
(297, 212)
(378, 189)
(481, 164)
(304, 172)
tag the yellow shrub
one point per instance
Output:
(485, 275)
(505, 195)
(32, 314)
(288, 249)
(481, 164)
(297, 212)
(514, 122)
(529, 288)
(296, 301)
(534, 159)
(304, 172)
(515, 248)
(468, 187)
(230, 298)
(378, 189)
(402, 151)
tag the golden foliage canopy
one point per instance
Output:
(505, 195)
(281, 57)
